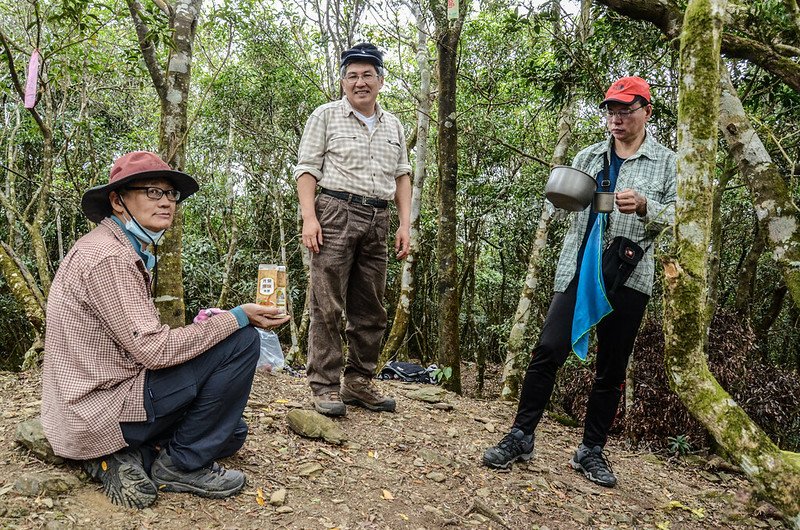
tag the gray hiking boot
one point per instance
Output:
(594, 465)
(214, 482)
(329, 403)
(361, 391)
(516, 445)
(124, 479)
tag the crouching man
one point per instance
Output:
(145, 407)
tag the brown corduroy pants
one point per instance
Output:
(348, 273)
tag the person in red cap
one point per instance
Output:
(642, 174)
(146, 408)
(355, 153)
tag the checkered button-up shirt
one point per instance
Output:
(652, 172)
(103, 332)
(340, 152)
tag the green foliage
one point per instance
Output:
(679, 445)
(442, 374)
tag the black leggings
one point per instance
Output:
(616, 334)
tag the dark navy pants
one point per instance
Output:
(194, 409)
(616, 334)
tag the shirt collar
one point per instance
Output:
(347, 108)
(146, 256)
(648, 147)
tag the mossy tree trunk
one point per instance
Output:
(448, 34)
(777, 214)
(402, 315)
(686, 317)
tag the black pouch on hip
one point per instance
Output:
(620, 258)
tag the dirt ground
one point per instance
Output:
(414, 469)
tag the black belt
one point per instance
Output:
(358, 199)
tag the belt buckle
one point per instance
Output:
(364, 201)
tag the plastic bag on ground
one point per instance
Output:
(271, 358)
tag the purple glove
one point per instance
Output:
(205, 314)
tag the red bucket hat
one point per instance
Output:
(137, 165)
(625, 91)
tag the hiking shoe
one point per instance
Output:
(593, 463)
(214, 481)
(124, 479)
(515, 445)
(329, 404)
(361, 391)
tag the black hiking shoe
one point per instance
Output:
(515, 445)
(214, 482)
(593, 463)
(124, 479)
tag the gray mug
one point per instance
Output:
(603, 202)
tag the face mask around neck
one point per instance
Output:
(143, 234)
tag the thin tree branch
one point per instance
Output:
(148, 49)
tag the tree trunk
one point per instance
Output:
(516, 353)
(776, 212)
(447, 39)
(278, 212)
(296, 355)
(232, 221)
(402, 315)
(172, 87)
(22, 286)
(768, 318)
(717, 246)
(686, 318)
(746, 275)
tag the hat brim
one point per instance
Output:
(361, 58)
(617, 99)
(95, 203)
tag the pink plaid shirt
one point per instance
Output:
(103, 332)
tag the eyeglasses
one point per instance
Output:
(622, 114)
(156, 193)
(368, 77)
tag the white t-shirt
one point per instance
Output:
(369, 121)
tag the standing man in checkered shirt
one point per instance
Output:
(145, 407)
(355, 152)
(643, 174)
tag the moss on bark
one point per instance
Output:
(775, 475)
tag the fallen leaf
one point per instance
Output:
(388, 495)
(700, 513)
(403, 516)
(260, 497)
(663, 526)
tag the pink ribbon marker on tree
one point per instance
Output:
(32, 82)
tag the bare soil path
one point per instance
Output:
(417, 468)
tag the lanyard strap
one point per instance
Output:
(605, 184)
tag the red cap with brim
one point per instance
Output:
(138, 165)
(625, 91)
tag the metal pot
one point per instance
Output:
(569, 188)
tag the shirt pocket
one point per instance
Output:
(386, 150)
(342, 142)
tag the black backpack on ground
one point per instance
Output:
(408, 372)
